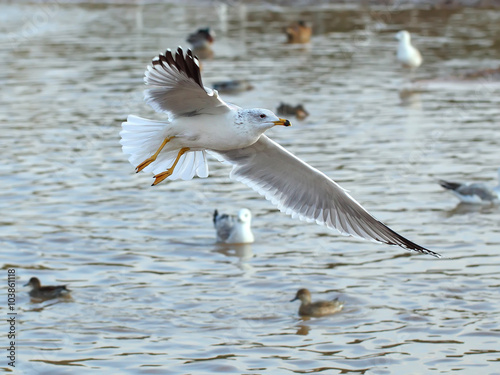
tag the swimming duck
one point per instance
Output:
(477, 193)
(316, 309)
(45, 292)
(201, 42)
(298, 32)
(232, 229)
(408, 55)
(289, 110)
(232, 86)
(483, 74)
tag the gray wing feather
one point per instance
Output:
(223, 226)
(480, 190)
(177, 88)
(304, 192)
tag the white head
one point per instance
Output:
(403, 36)
(261, 119)
(244, 215)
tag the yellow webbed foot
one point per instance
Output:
(151, 159)
(163, 175)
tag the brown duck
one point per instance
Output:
(201, 42)
(289, 110)
(316, 309)
(45, 292)
(298, 32)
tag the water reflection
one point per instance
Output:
(467, 208)
(303, 329)
(411, 98)
(35, 301)
(242, 251)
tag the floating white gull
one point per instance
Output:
(232, 229)
(477, 193)
(200, 121)
(408, 55)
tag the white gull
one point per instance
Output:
(200, 121)
(407, 55)
(234, 230)
(476, 193)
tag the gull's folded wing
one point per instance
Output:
(177, 88)
(304, 192)
(478, 189)
(473, 193)
(223, 225)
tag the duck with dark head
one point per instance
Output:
(45, 292)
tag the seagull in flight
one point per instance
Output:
(199, 121)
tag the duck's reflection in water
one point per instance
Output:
(410, 97)
(303, 329)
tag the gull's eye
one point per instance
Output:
(262, 116)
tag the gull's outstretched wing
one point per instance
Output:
(304, 192)
(177, 88)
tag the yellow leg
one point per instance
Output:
(148, 161)
(163, 175)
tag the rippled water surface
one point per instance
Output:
(152, 293)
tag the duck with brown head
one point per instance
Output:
(45, 292)
(290, 110)
(298, 33)
(201, 42)
(316, 309)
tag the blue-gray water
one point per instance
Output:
(152, 293)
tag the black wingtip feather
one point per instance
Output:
(180, 62)
(449, 185)
(382, 233)
(407, 244)
(170, 58)
(194, 67)
(186, 63)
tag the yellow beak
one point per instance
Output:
(283, 122)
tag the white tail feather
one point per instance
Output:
(142, 137)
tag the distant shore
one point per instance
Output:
(392, 4)
(387, 3)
